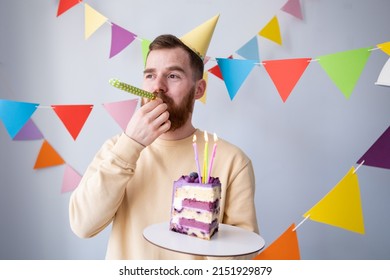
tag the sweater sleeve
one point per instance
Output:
(94, 202)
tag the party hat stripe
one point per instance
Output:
(131, 89)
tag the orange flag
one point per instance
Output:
(341, 207)
(65, 5)
(285, 73)
(272, 31)
(286, 247)
(73, 117)
(47, 157)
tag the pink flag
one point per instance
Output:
(293, 7)
(71, 179)
(122, 111)
(120, 39)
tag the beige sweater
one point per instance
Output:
(130, 186)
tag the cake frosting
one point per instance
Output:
(195, 206)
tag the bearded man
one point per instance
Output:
(129, 182)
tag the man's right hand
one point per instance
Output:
(149, 122)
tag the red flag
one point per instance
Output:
(65, 5)
(286, 73)
(73, 117)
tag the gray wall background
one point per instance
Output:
(300, 149)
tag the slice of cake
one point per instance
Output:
(195, 206)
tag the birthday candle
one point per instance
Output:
(196, 157)
(212, 156)
(131, 89)
(205, 157)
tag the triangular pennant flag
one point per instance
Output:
(344, 68)
(204, 97)
(73, 117)
(250, 50)
(286, 247)
(71, 179)
(65, 5)
(120, 39)
(293, 7)
(145, 49)
(378, 155)
(216, 71)
(122, 111)
(272, 31)
(385, 47)
(286, 73)
(341, 207)
(234, 72)
(15, 114)
(29, 132)
(93, 20)
(47, 157)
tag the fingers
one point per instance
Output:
(149, 122)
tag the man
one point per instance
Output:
(129, 182)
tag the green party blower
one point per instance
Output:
(131, 89)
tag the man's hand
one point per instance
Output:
(149, 122)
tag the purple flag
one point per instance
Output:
(378, 155)
(120, 39)
(29, 132)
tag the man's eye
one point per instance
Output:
(173, 76)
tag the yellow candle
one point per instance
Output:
(205, 157)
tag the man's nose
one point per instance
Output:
(159, 85)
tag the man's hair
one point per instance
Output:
(168, 41)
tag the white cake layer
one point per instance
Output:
(199, 193)
(204, 216)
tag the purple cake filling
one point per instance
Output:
(203, 205)
(196, 224)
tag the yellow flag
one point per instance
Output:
(341, 207)
(385, 47)
(93, 20)
(272, 31)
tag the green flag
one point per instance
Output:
(344, 68)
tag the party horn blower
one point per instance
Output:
(131, 89)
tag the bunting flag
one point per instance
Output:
(286, 247)
(15, 114)
(216, 71)
(120, 39)
(385, 47)
(204, 97)
(234, 73)
(145, 49)
(29, 131)
(122, 111)
(293, 7)
(272, 31)
(250, 50)
(71, 179)
(378, 155)
(341, 207)
(65, 5)
(47, 157)
(286, 73)
(93, 20)
(344, 68)
(73, 117)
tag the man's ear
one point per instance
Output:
(200, 88)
